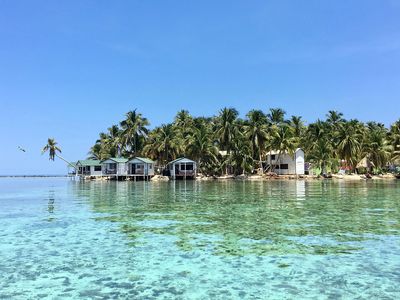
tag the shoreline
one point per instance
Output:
(34, 176)
(353, 177)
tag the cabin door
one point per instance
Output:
(133, 168)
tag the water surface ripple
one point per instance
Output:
(199, 240)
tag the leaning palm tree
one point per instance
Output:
(52, 148)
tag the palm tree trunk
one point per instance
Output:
(68, 163)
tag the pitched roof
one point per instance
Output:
(117, 159)
(143, 159)
(183, 159)
(88, 162)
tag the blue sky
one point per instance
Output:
(70, 69)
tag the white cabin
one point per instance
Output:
(115, 166)
(88, 167)
(140, 166)
(182, 168)
(287, 164)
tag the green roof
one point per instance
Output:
(89, 162)
(117, 159)
(143, 159)
(181, 158)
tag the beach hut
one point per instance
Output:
(140, 167)
(182, 168)
(115, 166)
(286, 164)
(88, 167)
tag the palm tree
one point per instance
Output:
(318, 144)
(256, 130)
(95, 152)
(52, 148)
(334, 118)
(376, 146)
(226, 127)
(283, 140)
(320, 154)
(226, 130)
(276, 115)
(113, 141)
(133, 128)
(394, 139)
(201, 148)
(162, 144)
(349, 139)
(183, 124)
(298, 126)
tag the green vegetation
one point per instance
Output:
(53, 150)
(227, 144)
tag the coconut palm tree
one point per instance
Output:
(349, 141)
(226, 127)
(394, 139)
(282, 140)
(162, 144)
(201, 148)
(256, 130)
(276, 115)
(334, 118)
(95, 152)
(320, 155)
(376, 146)
(298, 126)
(133, 129)
(52, 148)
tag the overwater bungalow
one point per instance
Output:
(286, 164)
(115, 167)
(140, 167)
(89, 167)
(182, 168)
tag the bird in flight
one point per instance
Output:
(22, 149)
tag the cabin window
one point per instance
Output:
(273, 157)
(187, 167)
(97, 168)
(150, 167)
(284, 166)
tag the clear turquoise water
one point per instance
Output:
(199, 240)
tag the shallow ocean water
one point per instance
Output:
(64, 239)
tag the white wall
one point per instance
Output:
(94, 173)
(299, 162)
(122, 168)
(295, 163)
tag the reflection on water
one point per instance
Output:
(239, 218)
(199, 240)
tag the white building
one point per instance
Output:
(115, 166)
(182, 168)
(88, 167)
(286, 164)
(140, 166)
